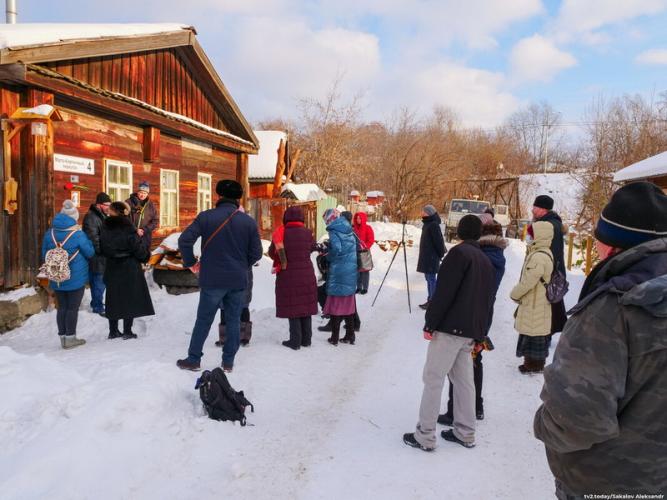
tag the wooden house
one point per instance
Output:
(653, 169)
(90, 108)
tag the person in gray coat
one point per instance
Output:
(92, 226)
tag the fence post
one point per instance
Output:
(524, 232)
(589, 254)
(570, 248)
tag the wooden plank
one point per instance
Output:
(125, 74)
(151, 144)
(107, 64)
(95, 72)
(80, 70)
(150, 78)
(95, 48)
(159, 79)
(12, 72)
(116, 72)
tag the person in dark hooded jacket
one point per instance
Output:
(493, 245)
(296, 285)
(431, 250)
(127, 291)
(604, 400)
(93, 223)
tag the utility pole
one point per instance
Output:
(10, 11)
(546, 146)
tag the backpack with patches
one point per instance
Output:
(557, 286)
(221, 401)
(57, 260)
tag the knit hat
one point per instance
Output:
(486, 219)
(469, 228)
(144, 186)
(102, 198)
(429, 210)
(69, 209)
(121, 207)
(330, 215)
(636, 213)
(229, 188)
(544, 201)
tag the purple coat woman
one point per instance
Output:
(296, 286)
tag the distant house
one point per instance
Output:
(120, 104)
(653, 169)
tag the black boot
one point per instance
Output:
(114, 334)
(335, 330)
(349, 331)
(294, 341)
(424, 306)
(127, 329)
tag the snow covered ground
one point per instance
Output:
(117, 419)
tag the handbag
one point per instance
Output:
(557, 286)
(364, 257)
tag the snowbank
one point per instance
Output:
(392, 231)
(18, 294)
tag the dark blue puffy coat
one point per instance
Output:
(342, 257)
(63, 225)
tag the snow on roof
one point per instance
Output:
(354, 192)
(374, 194)
(566, 189)
(305, 192)
(650, 167)
(263, 164)
(15, 36)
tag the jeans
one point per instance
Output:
(68, 310)
(96, 281)
(210, 300)
(431, 279)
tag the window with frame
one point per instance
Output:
(203, 192)
(118, 179)
(168, 198)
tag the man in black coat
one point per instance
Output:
(230, 244)
(456, 317)
(431, 249)
(92, 226)
(543, 212)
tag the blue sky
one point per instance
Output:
(483, 58)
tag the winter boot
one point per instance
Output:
(289, 344)
(325, 328)
(221, 335)
(70, 341)
(446, 419)
(246, 333)
(335, 331)
(424, 306)
(449, 436)
(410, 440)
(349, 332)
(186, 364)
(129, 335)
(114, 334)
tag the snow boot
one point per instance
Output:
(424, 306)
(186, 364)
(289, 344)
(449, 436)
(114, 334)
(246, 332)
(532, 366)
(446, 419)
(70, 341)
(479, 414)
(325, 328)
(129, 335)
(349, 333)
(335, 331)
(410, 440)
(221, 335)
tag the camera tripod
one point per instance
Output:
(405, 263)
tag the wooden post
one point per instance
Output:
(589, 254)
(570, 248)
(524, 232)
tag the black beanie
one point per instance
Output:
(544, 201)
(229, 188)
(102, 198)
(469, 228)
(636, 213)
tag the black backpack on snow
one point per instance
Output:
(221, 401)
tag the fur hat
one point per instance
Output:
(544, 201)
(469, 228)
(144, 186)
(229, 188)
(636, 213)
(121, 207)
(102, 198)
(429, 210)
(69, 209)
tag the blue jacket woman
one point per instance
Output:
(342, 258)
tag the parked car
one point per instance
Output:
(458, 208)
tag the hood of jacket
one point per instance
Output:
(93, 209)
(293, 214)
(432, 219)
(62, 222)
(552, 217)
(360, 219)
(135, 201)
(638, 274)
(543, 235)
(340, 225)
(116, 221)
(491, 240)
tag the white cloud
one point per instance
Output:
(538, 59)
(584, 17)
(652, 57)
(476, 95)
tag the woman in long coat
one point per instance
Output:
(533, 316)
(431, 250)
(342, 277)
(127, 292)
(296, 286)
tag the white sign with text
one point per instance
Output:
(65, 163)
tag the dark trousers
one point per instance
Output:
(127, 325)
(96, 281)
(300, 331)
(363, 280)
(478, 375)
(68, 310)
(322, 295)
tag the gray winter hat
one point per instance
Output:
(69, 209)
(429, 210)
